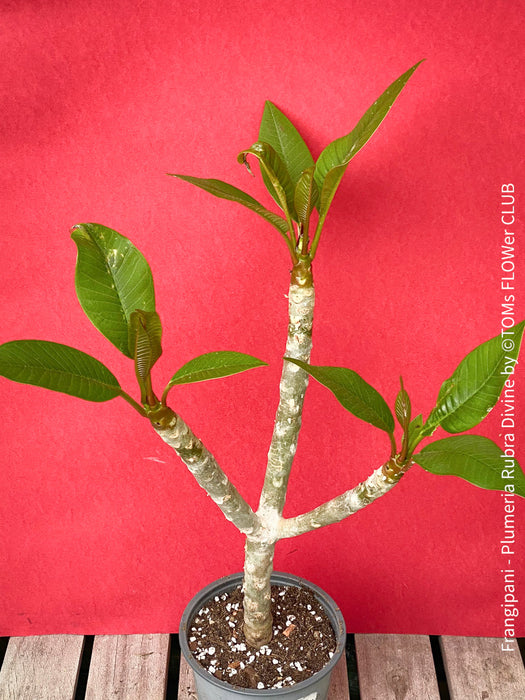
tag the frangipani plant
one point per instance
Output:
(114, 285)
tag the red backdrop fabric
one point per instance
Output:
(103, 529)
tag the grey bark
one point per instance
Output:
(258, 567)
(177, 434)
(292, 388)
(340, 507)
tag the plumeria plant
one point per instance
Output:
(115, 288)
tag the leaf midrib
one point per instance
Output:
(474, 393)
(117, 287)
(64, 372)
(282, 142)
(117, 290)
(104, 290)
(460, 453)
(367, 408)
(205, 374)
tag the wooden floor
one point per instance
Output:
(141, 667)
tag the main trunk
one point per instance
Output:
(258, 567)
(260, 548)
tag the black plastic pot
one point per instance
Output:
(210, 688)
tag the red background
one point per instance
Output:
(102, 528)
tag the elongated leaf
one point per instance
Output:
(278, 131)
(329, 188)
(233, 194)
(145, 340)
(414, 433)
(112, 280)
(403, 407)
(330, 184)
(342, 150)
(353, 393)
(214, 365)
(306, 196)
(475, 459)
(282, 187)
(59, 368)
(474, 388)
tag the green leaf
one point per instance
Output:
(475, 459)
(414, 433)
(213, 365)
(59, 368)
(145, 338)
(305, 197)
(233, 194)
(329, 188)
(279, 132)
(353, 393)
(403, 408)
(340, 152)
(282, 187)
(112, 280)
(475, 386)
(330, 185)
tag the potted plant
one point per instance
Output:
(115, 288)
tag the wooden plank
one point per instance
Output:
(339, 689)
(41, 668)
(477, 667)
(131, 667)
(186, 681)
(338, 683)
(395, 667)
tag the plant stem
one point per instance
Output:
(340, 507)
(133, 403)
(317, 234)
(258, 566)
(393, 446)
(174, 431)
(292, 388)
(294, 380)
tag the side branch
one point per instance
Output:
(201, 463)
(340, 507)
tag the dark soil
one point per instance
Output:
(303, 640)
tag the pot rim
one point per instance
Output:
(228, 582)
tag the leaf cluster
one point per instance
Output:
(302, 188)
(114, 286)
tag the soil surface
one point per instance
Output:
(303, 640)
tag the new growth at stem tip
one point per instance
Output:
(302, 188)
